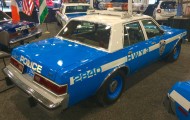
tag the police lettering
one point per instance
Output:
(85, 75)
(137, 54)
(34, 66)
(22, 28)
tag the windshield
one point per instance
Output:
(3, 16)
(79, 8)
(168, 5)
(93, 34)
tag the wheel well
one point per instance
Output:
(181, 40)
(125, 70)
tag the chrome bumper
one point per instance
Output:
(25, 83)
(37, 33)
(59, 18)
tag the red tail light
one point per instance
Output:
(17, 64)
(182, 111)
(159, 11)
(14, 35)
(125, 6)
(57, 89)
(109, 5)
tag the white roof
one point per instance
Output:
(110, 19)
(75, 4)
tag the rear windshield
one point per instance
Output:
(168, 5)
(93, 34)
(70, 9)
(3, 16)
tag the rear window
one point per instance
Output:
(93, 34)
(168, 5)
(79, 8)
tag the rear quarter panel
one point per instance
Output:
(84, 79)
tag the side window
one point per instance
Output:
(152, 30)
(133, 33)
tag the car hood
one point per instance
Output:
(55, 54)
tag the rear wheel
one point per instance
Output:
(112, 89)
(169, 105)
(174, 55)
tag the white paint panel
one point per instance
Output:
(154, 47)
(113, 64)
(180, 100)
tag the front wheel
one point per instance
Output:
(174, 55)
(112, 89)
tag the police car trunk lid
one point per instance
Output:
(54, 54)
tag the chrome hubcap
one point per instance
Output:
(113, 86)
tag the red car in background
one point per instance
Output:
(48, 2)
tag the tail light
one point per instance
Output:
(158, 10)
(17, 64)
(14, 35)
(182, 111)
(57, 89)
(109, 5)
(125, 6)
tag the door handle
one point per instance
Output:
(130, 52)
(153, 43)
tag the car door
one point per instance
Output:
(135, 46)
(155, 41)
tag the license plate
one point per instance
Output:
(31, 72)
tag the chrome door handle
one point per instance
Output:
(130, 52)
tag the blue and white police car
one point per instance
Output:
(71, 10)
(178, 100)
(91, 55)
(14, 34)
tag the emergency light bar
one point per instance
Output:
(110, 11)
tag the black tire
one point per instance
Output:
(174, 55)
(169, 105)
(105, 95)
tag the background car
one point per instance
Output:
(57, 3)
(137, 6)
(165, 10)
(48, 2)
(7, 5)
(71, 10)
(15, 34)
(177, 101)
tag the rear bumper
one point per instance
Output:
(59, 18)
(25, 83)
